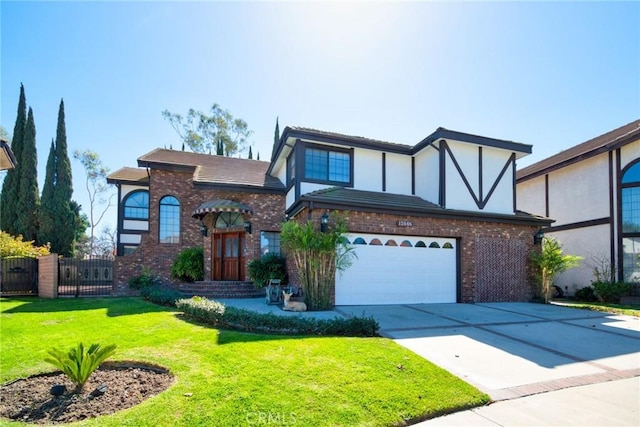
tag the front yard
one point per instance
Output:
(232, 378)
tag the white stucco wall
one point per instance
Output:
(629, 153)
(367, 170)
(308, 187)
(291, 197)
(591, 243)
(493, 161)
(126, 189)
(580, 192)
(398, 174)
(530, 196)
(428, 174)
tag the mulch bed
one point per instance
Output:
(128, 384)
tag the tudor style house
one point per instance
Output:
(433, 222)
(592, 190)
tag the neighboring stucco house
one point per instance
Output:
(433, 222)
(592, 190)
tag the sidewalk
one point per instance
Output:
(613, 403)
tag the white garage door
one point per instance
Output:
(398, 270)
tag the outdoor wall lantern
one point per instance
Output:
(324, 222)
(247, 226)
(537, 238)
(203, 229)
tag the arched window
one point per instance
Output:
(136, 205)
(631, 221)
(447, 246)
(420, 244)
(391, 242)
(434, 245)
(169, 220)
(375, 242)
(359, 241)
(406, 244)
(229, 219)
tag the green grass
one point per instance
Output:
(233, 378)
(629, 310)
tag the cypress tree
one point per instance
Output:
(64, 217)
(47, 202)
(28, 205)
(258, 158)
(11, 184)
(220, 147)
(250, 154)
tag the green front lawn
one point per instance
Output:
(629, 310)
(232, 378)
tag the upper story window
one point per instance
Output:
(327, 165)
(631, 199)
(169, 220)
(136, 205)
(291, 167)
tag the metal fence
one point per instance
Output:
(18, 276)
(85, 277)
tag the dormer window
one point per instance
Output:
(324, 165)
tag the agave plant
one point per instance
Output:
(78, 364)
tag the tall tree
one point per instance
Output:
(276, 137)
(100, 194)
(64, 217)
(47, 232)
(28, 206)
(202, 131)
(250, 154)
(11, 184)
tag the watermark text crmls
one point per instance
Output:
(271, 418)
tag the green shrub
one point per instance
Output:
(585, 294)
(216, 314)
(161, 295)
(79, 364)
(271, 266)
(145, 280)
(189, 265)
(611, 292)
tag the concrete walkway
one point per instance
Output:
(542, 365)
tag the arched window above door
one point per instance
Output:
(229, 219)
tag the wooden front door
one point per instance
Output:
(228, 256)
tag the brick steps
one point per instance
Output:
(222, 289)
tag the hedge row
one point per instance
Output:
(217, 314)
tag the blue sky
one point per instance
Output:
(550, 74)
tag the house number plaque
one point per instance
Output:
(404, 223)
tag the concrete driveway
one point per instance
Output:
(511, 350)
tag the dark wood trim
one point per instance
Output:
(514, 191)
(577, 225)
(413, 176)
(618, 168)
(461, 173)
(546, 195)
(612, 221)
(480, 173)
(120, 220)
(512, 159)
(458, 270)
(442, 185)
(384, 171)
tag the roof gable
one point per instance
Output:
(600, 144)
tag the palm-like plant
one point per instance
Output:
(78, 364)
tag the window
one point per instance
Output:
(325, 165)
(136, 205)
(229, 219)
(169, 220)
(291, 167)
(269, 242)
(631, 222)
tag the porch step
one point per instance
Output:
(222, 289)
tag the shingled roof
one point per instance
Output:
(210, 169)
(129, 176)
(359, 200)
(600, 144)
